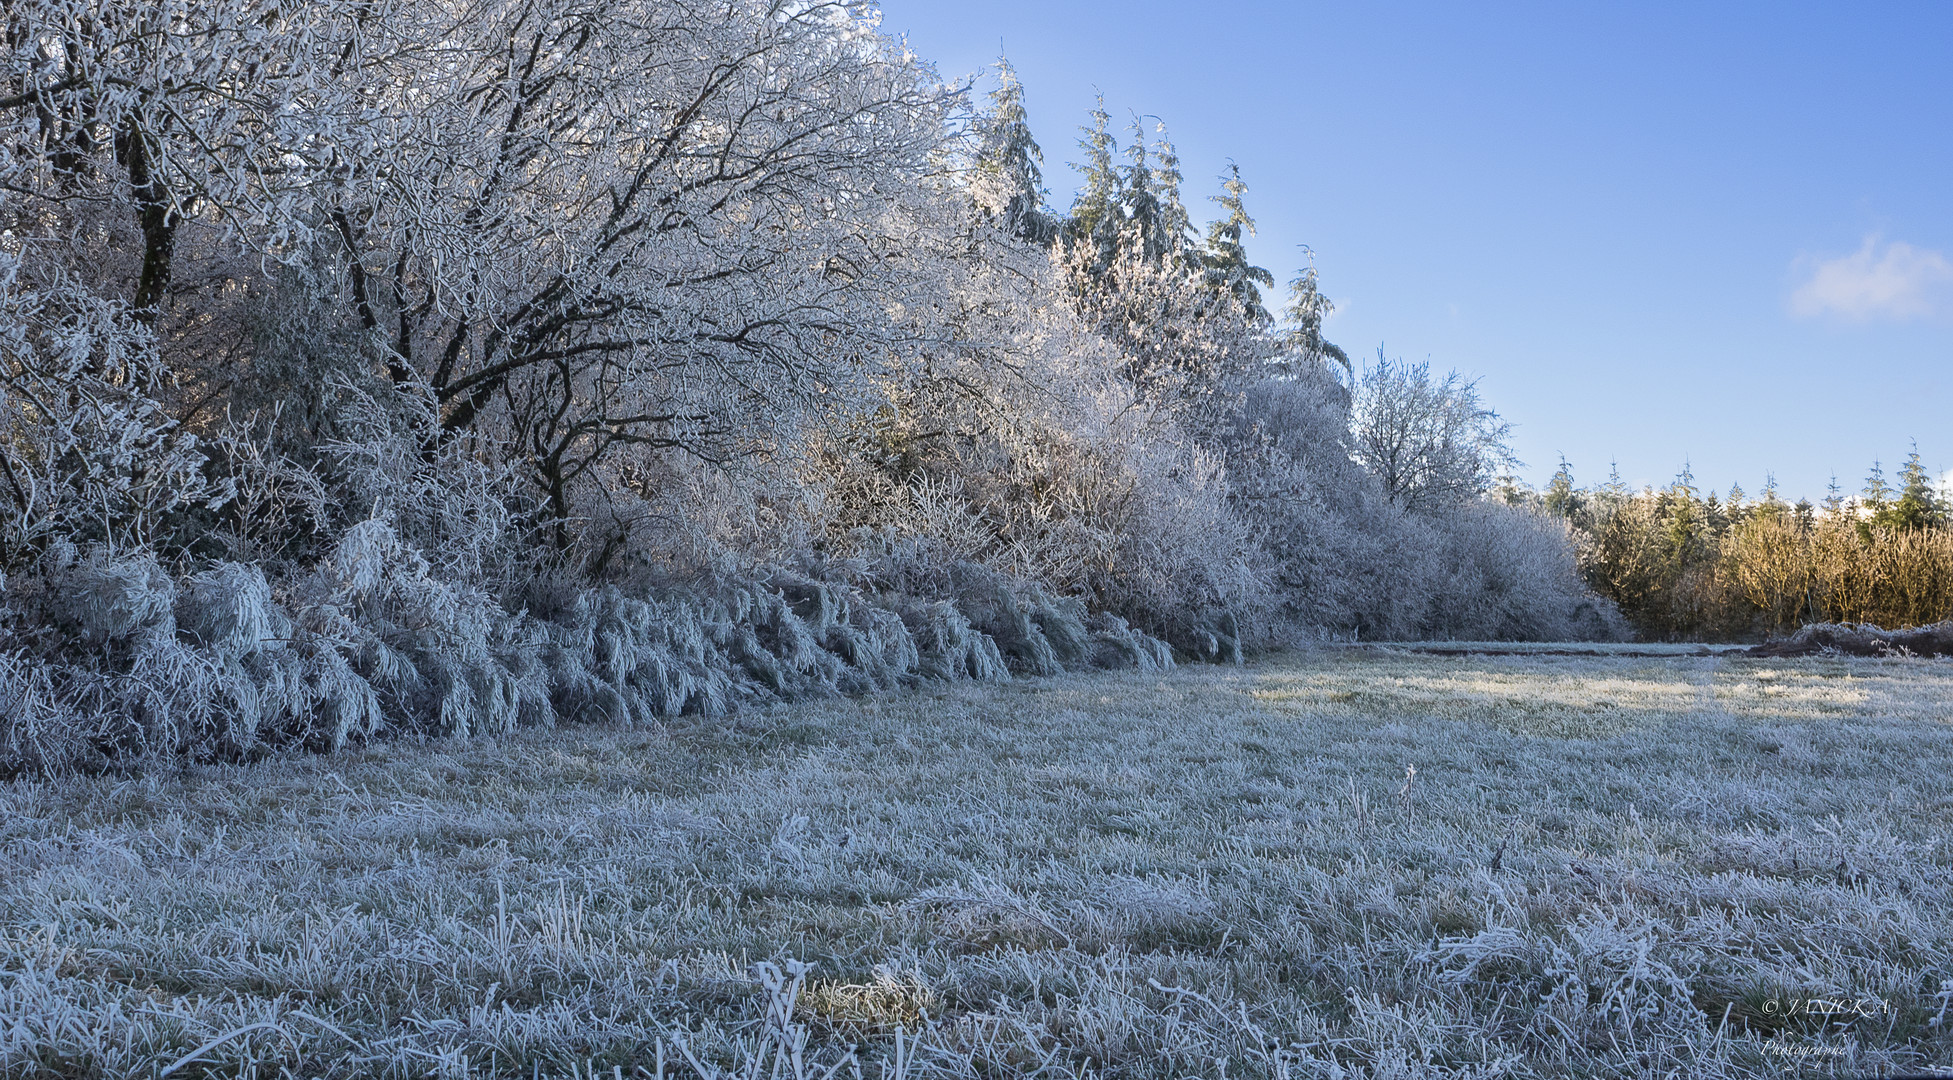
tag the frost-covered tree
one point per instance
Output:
(406, 364)
(128, 123)
(1175, 225)
(1225, 262)
(582, 228)
(1430, 441)
(1095, 226)
(656, 224)
(1185, 347)
(1307, 309)
(88, 454)
(1155, 230)
(1008, 182)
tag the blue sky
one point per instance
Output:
(1719, 233)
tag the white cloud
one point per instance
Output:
(1892, 281)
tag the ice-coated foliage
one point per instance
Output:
(434, 370)
(89, 451)
(227, 610)
(372, 640)
(105, 599)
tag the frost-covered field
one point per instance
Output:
(1609, 866)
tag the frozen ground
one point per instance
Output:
(1619, 865)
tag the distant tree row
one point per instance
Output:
(1684, 563)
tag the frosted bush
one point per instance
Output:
(228, 610)
(1120, 646)
(1019, 637)
(463, 664)
(623, 660)
(876, 649)
(88, 447)
(1509, 574)
(949, 647)
(34, 723)
(108, 598)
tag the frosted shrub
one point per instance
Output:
(1191, 566)
(1509, 574)
(373, 640)
(1120, 646)
(950, 647)
(1346, 559)
(1439, 561)
(88, 449)
(443, 498)
(227, 609)
(876, 648)
(453, 660)
(1018, 630)
(31, 715)
(105, 598)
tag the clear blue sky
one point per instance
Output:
(1720, 233)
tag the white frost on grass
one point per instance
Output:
(1692, 866)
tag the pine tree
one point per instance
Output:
(1878, 494)
(1010, 163)
(1142, 232)
(1305, 312)
(1918, 505)
(1683, 515)
(1771, 504)
(1176, 224)
(1834, 500)
(1098, 211)
(1563, 499)
(1226, 259)
(1615, 488)
(1715, 516)
(1804, 514)
(1875, 501)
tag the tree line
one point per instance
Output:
(1684, 563)
(413, 365)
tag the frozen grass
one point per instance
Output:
(1614, 866)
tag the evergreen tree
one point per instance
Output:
(1142, 232)
(1305, 311)
(1615, 488)
(1227, 269)
(1874, 502)
(1176, 225)
(1771, 505)
(1563, 499)
(1098, 211)
(1683, 517)
(1804, 514)
(1918, 505)
(1010, 164)
(1878, 494)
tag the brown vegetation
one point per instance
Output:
(1684, 566)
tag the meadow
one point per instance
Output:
(1353, 862)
